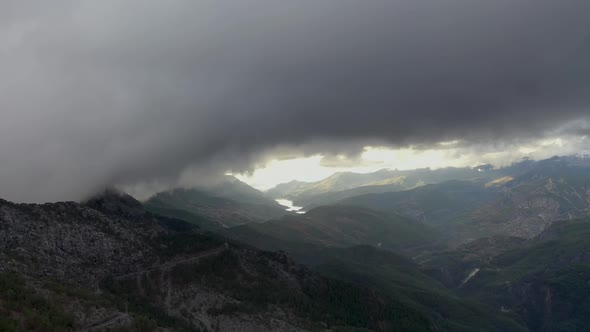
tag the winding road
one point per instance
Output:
(106, 323)
(162, 267)
(169, 265)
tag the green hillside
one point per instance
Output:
(326, 238)
(546, 281)
(342, 226)
(403, 280)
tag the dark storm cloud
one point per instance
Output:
(94, 93)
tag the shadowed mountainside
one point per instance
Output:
(226, 204)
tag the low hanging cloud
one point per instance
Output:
(97, 93)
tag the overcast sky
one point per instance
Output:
(158, 93)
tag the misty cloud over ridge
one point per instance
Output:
(94, 93)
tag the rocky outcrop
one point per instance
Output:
(71, 242)
(531, 204)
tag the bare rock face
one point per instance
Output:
(532, 203)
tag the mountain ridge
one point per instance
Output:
(225, 204)
(167, 276)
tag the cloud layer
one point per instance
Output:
(94, 93)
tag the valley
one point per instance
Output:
(503, 251)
